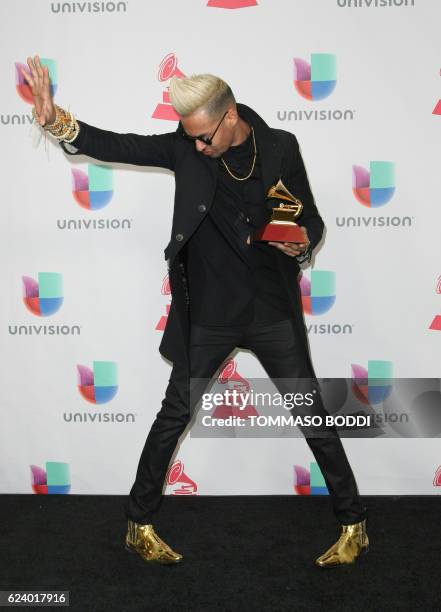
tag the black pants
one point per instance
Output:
(282, 356)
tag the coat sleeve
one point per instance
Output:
(137, 149)
(310, 217)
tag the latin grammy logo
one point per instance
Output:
(160, 325)
(167, 69)
(165, 290)
(436, 323)
(231, 4)
(230, 377)
(176, 475)
(437, 109)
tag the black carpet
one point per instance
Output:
(240, 553)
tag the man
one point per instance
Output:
(227, 291)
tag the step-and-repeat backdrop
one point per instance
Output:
(85, 293)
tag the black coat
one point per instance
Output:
(195, 177)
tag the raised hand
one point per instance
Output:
(38, 81)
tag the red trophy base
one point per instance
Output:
(280, 232)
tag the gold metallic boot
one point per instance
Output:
(352, 541)
(143, 540)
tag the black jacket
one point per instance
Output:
(195, 178)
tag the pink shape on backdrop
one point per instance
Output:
(305, 286)
(80, 180)
(436, 323)
(231, 4)
(437, 109)
(359, 374)
(302, 70)
(85, 375)
(360, 177)
(30, 287)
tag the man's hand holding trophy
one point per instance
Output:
(282, 231)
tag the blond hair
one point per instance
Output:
(200, 91)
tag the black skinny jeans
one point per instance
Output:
(282, 356)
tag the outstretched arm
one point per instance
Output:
(104, 145)
(150, 150)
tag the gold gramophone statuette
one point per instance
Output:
(282, 226)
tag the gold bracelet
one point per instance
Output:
(62, 124)
(57, 126)
(65, 127)
(74, 132)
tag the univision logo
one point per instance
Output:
(374, 188)
(98, 385)
(318, 297)
(43, 298)
(55, 479)
(318, 294)
(330, 328)
(372, 385)
(314, 81)
(309, 482)
(16, 119)
(92, 190)
(88, 7)
(375, 3)
(96, 224)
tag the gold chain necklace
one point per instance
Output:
(243, 178)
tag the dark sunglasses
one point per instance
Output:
(205, 139)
